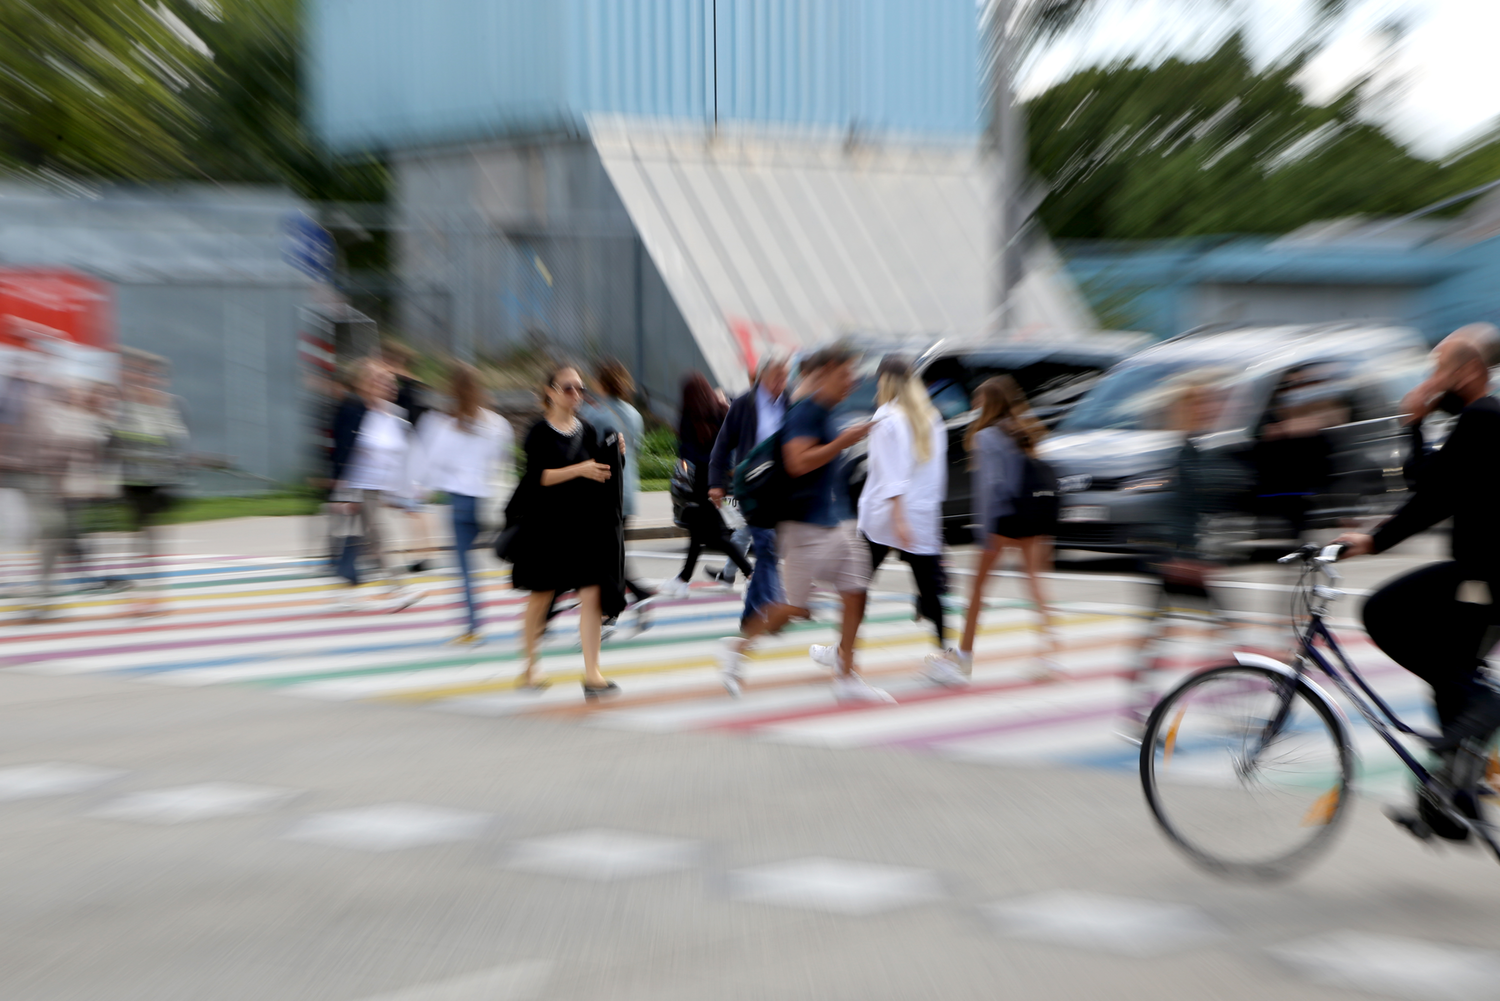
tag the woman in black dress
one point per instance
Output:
(571, 539)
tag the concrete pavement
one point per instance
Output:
(174, 827)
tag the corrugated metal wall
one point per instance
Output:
(410, 73)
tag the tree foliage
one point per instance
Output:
(146, 90)
(94, 88)
(1209, 146)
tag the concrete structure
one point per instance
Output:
(203, 276)
(1433, 276)
(683, 184)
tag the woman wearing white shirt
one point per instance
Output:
(376, 474)
(460, 454)
(901, 507)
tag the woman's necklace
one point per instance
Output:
(572, 428)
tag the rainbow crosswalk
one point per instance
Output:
(272, 623)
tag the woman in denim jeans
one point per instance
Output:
(460, 453)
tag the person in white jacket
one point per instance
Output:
(461, 453)
(901, 506)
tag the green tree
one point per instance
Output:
(1211, 146)
(93, 88)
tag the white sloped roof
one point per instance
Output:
(775, 241)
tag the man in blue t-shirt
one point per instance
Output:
(819, 543)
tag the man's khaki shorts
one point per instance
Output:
(832, 555)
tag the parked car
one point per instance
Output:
(1114, 453)
(1053, 376)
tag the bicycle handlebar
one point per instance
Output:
(1316, 554)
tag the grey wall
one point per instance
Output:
(234, 360)
(505, 244)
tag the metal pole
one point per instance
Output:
(1007, 161)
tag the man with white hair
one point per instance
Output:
(752, 418)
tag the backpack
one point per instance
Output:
(760, 485)
(1037, 501)
(680, 490)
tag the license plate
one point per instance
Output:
(1084, 512)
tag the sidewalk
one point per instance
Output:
(304, 535)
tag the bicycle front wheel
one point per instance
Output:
(1246, 770)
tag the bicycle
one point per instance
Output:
(1247, 766)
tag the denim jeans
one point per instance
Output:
(465, 528)
(765, 584)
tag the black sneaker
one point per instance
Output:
(1476, 724)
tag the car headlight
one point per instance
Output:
(1148, 483)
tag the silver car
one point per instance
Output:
(1115, 451)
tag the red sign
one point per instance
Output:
(42, 304)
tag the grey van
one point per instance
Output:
(1114, 452)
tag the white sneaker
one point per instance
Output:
(731, 665)
(853, 688)
(964, 662)
(402, 598)
(673, 587)
(943, 669)
(825, 655)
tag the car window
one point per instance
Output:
(950, 397)
(1139, 397)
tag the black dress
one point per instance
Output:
(572, 533)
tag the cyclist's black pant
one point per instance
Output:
(1419, 622)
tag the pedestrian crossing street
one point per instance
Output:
(274, 624)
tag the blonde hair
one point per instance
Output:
(911, 398)
(1003, 405)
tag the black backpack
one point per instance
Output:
(760, 485)
(1037, 502)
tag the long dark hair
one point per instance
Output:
(702, 413)
(1003, 405)
(468, 394)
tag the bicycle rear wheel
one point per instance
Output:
(1246, 770)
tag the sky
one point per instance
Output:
(1442, 83)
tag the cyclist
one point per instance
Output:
(1421, 619)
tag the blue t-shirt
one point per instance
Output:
(828, 485)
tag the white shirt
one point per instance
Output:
(457, 461)
(895, 472)
(769, 413)
(380, 453)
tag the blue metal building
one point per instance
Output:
(409, 73)
(1431, 276)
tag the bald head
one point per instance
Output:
(1483, 337)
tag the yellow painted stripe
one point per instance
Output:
(1323, 809)
(1171, 742)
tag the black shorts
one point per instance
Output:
(1013, 526)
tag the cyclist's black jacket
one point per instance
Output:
(1460, 481)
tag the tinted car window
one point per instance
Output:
(1134, 397)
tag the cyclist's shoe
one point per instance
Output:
(1457, 774)
(1476, 724)
(1435, 819)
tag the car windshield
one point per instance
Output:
(1138, 397)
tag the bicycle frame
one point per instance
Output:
(1317, 629)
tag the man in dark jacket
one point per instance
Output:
(752, 418)
(1429, 621)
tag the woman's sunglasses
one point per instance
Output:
(571, 388)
